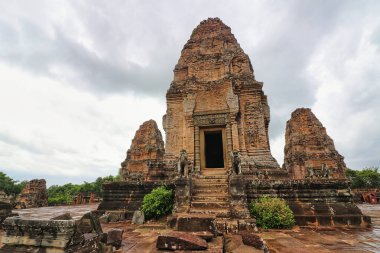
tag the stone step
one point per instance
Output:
(208, 191)
(208, 198)
(210, 185)
(211, 180)
(210, 205)
(212, 172)
(211, 177)
(220, 213)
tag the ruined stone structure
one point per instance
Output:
(34, 194)
(68, 232)
(217, 154)
(309, 151)
(144, 157)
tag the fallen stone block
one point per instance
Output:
(116, 216)
(180, 241)
(192, 223)
(252, 240)
(115, 237)
(234, 244)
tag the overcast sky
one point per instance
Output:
(77, 78)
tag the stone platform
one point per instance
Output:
(323, 202)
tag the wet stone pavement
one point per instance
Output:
(328, 239)
(142, 238)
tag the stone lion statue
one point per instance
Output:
(236, 162)
(183, 164)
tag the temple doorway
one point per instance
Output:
(213, 148)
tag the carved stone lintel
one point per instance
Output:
(211, 119)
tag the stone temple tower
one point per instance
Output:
(215, 105)
(217, 156)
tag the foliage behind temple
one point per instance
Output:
(60, 195)
(10, 186)
(365, 178)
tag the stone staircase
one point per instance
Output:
(209, 195)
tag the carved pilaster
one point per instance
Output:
(238, 193)
(197, 148)
(229, 145)
(182, 194)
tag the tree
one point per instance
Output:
(366, 178)
(10, 186)
(64, 195)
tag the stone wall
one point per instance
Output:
(34, 194)
(126, 197)
(309, 151)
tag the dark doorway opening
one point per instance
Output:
(214, 149)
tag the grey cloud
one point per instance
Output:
(91, 72)
(24, 145)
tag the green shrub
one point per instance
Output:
(272, 213)
(158, 203)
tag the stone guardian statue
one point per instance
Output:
(183, 168)
(236, 162)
